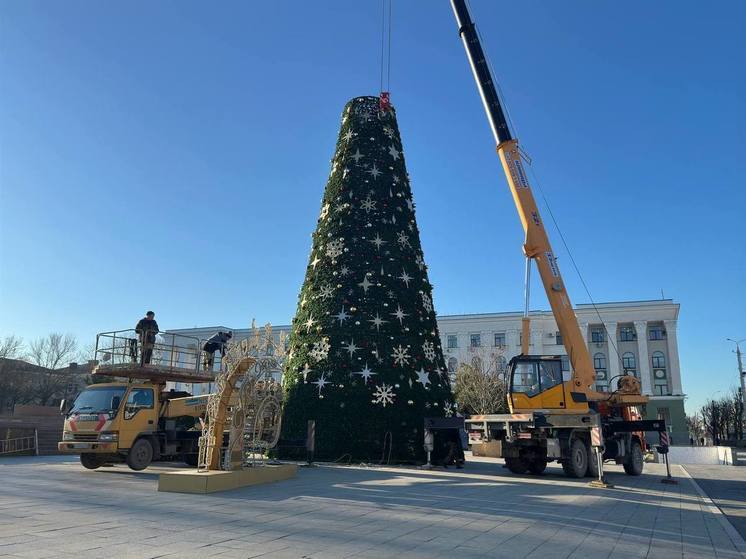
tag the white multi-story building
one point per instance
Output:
(633, 337)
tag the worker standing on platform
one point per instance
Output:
(146, 329)
(214, 343)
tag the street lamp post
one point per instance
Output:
(741, 373)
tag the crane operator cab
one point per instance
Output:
(536, 382)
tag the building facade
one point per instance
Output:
(634, 337)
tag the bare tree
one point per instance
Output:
(724, 418)
(14, 384)
(11, 347)
(734, 414)
(480, 383)
(52, 352)
(695, 427)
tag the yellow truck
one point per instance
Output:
(132, 422)
(136, 419)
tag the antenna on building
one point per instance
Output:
(662, 295)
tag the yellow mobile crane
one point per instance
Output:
(551, 418)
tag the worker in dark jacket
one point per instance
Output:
(214, 343)
(146, 330)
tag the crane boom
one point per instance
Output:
(536, 246)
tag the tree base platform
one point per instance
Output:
(192, 481)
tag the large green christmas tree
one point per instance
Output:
(365, 360)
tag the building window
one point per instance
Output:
(629, 361)
(599, 361)
(502, 364)
(627, 334)
(659, 360)
(558, 338)
(597, 336)
(657, 333)
(452, 341)
(500, 339)
(665, 415)
(565, 363)
(475, 340)
(602, 387)
(661, 388)
(452, 365)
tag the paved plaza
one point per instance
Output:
(727, 488)
(52, 507)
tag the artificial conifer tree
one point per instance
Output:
(365, 360)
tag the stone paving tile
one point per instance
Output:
(51, 505)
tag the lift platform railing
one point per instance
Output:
(164, 351)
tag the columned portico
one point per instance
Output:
(512, 341)
(673, 357)
(643, 365)
(537, 342)
(611, 348)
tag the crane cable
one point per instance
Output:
(385, 39)
(611, 339)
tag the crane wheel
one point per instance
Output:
(517, 465)
(592, 463)
(634, 465)
(576, 464)
(140, 455)
(537, 466)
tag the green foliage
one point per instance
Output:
(366, 296)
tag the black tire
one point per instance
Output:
(537, 467)
(576, 464)
(191, 459)
(634, 464)
(140, 455)
(91, 461)
(516, 465)
(592, 463)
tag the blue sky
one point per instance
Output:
(172, 155)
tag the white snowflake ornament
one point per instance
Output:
(320, 350)
(384, 395)
(428, 348)
(401, 356)
(335, 248)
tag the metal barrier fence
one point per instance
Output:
(20, 444)
(176, 352)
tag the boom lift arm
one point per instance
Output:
(536, 246)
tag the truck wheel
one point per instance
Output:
(576, 464)
(516, 465)
(91, 461)
(634, 464)
(140, 455)
(592, 463)
(537, 466)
